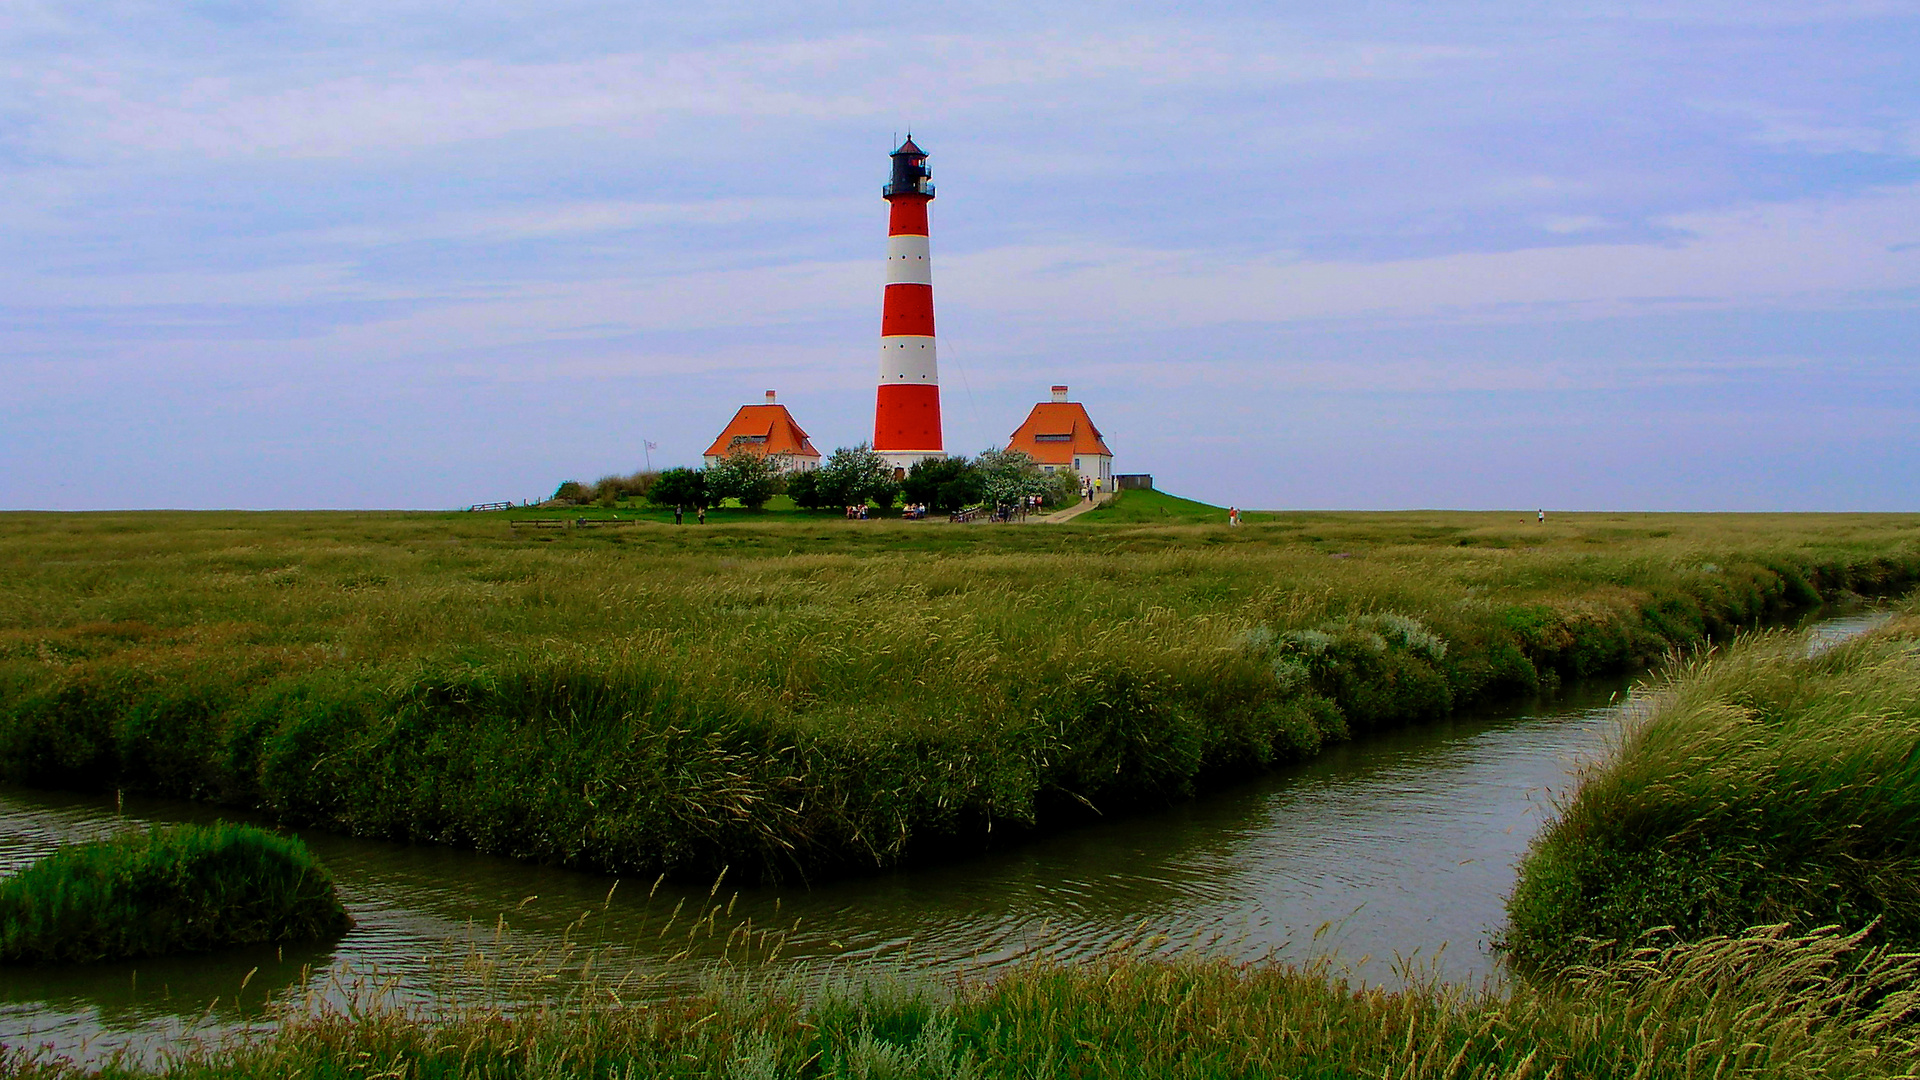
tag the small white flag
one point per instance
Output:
(653, 445)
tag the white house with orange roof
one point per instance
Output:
(1060, 435)
(766, 429)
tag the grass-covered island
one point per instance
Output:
(1767, 783)
(184, 888)
(787, 693)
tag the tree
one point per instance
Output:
(1007, 477)
(1064, 488)
(801, 488)
(572, 491)
(746, 476)
(855, 476)
(680, 487)
(943, 484)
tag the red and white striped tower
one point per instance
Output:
(906, 412)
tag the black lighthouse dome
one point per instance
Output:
(910, 173)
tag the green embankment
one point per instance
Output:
(819, 695)
(1150, 507)
(1765, 786)
(188, 888)
(1759, 1008)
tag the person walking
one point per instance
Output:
(702, 514)
(1543, 516)
(678, 512)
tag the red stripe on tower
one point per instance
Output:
(906, 412)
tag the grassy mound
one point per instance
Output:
(1759, 1007)
(1767, 786)
(187, 888)
(1150, 507)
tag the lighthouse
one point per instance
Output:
(906, 411)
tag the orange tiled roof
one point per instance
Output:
(763, 429)
(1057, 430)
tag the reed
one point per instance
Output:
(1763, 1005)
(811, 696)
(1764, 784)
(186, 888)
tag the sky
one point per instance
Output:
(1375, 255)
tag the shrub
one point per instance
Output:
(681, 487)
(855, 476)
(943, 484)
(803, 488)
(188, 888)
(1007, 477)
(613, 488)
(746, 476)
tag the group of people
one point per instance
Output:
(679, 512)
(857, 513)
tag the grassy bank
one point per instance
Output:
(1759, 1007)
(818, 695)
(188, 888)
(1764, 786)
(1149, 507)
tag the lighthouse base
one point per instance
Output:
(903, 461)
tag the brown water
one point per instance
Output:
(1398, 848)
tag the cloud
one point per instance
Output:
(1814, 131)
(1804, 252)
(561, 220)
(95, 104)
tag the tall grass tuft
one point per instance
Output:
(186, 888)
(1761, 1006)
(1764, 785)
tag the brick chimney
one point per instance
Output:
(769, 397)
(1059, 393)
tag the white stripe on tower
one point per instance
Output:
(909, 261)
(908, 358)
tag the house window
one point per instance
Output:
(1054, 438)
(1076, 464)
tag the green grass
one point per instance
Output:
(1763, 1006)
(187, 888)
(1149, 507)
(1766, 786)
(789, 694)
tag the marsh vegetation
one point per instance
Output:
(1766, 783)
(1761, 1005)
(811, 696)
(186, 888)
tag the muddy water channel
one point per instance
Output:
(1398, 848)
